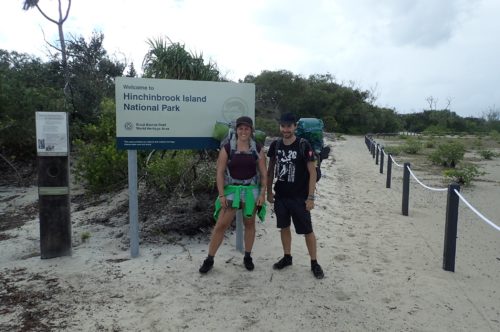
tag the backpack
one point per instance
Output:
(311, 129)
(302, 149)
(226, 133)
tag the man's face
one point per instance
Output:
(287, 129)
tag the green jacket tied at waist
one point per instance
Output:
(249, 201)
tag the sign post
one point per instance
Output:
(53, 184)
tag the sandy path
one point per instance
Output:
(383, 270)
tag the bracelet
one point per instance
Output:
(220, 196)
(310, 197)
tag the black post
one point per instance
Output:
(450, 231)
(373, 149)
(381, 160)
(377, 153)
(389, 171)
(54, 206)
(406, 188)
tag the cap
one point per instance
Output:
(244, 120)
(288, 118)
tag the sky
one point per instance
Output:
(411, 54)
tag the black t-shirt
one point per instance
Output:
(292, 176)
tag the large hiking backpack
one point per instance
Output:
(311, 129)
(226, 133)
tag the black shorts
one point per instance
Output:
(294, 209)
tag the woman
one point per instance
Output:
(241, 182)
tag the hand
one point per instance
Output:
(270, 197)
(223, 201)
(261, 200)
(309, 204)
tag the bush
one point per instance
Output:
(412, 146)
(430, 144)
(99, 165)
(487, 154)
(463, 175)
(180, 171)
(448, 154)
(393, 150)
(269, 126)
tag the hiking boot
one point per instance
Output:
(247, 261)
(317, 271)
(207, 265)
(283, 262)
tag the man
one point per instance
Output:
(294, 190)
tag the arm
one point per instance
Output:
(311, 167)
(270, 179)
(263, 178)
(221, 168)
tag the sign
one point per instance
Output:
(176, 114)
(52, 133)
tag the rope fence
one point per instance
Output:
(453, 198)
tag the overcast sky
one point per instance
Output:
(403, 50)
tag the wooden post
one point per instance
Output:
(389, 171)
(406, 188)
(381, 160)
(377, 153)
(450, 231)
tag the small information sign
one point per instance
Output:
(52, 133)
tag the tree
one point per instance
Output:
(29, 4)
(93, 74)
(166, 59)
(26, 85)
(131, 71)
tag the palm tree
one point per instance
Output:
(166, 59)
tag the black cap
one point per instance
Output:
(244, 120)
(288, 118)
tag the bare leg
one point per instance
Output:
(226, 216)
(249, 233)
(311, 245)
(286, 240)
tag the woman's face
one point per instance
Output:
(244, 132)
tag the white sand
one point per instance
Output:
(383, 270)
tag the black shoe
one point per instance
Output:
(247, 261)
(284, 262)
(207, 265)
(317, 271)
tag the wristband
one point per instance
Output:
(220, 196)
(310, 197)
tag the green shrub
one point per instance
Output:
(487, 154)
(463, 175)
(430, 144)
(412, 146)
(269, 126)
(448, 154)
(181, 171)
(99, 165)
(85, 236)
(393, 150)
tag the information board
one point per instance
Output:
(52, 133)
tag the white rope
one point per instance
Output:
(477, 212)
(423, 185)
(395, 163)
